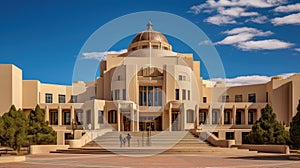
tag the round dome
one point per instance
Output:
(150, 35)
(149, 39)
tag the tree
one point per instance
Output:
(295, 128)
(39, 132)
(267, 130)
(13, 128)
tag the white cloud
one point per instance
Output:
(259, 19)
(213, 4)
(271, 44)
(249, 80)
(220, 19)
(290, 19)
(242, 34)
(101, 55)
(205, 42)
(288, 8)
(236, 12)
(297, 49)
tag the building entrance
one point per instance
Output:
(150, 123)
(126, 122)
(175, 121)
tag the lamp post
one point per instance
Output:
(74, 127)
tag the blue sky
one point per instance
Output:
(258, 37)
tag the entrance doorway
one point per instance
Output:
(126, 122)
(150, 123)
(175, 121)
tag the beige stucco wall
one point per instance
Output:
(10, 87)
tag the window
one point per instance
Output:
(252, 98)
(79, 117)
(177, 94)
(88, 117)
(144, 46)
(229, 135)
(267, 97)
(117, 94)
(119, 78)
(250, 117)
(100, 117)
(53, 117)
(189, 95)
(227, 117)
(190, 116)
(204, 99)
(183, 94)
(134, 48)
(180, 77)
(238, 117)
(214, 117)
(73, 99)
(225, 98)
(67, 118)
(202, 117)
(238, 98)
(48, 98)
(112, 117)
(61, 99)
(124, 94)
(155, 46)
(150, 96)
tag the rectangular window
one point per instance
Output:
(48, 98)
(157, 96)
(183, 94)
(238, 98)
(112, 117)
(204, 99)
(180, 77)
(267, 97)
(79, 115)
(150, 95)
(202, 117)
(177, 94)
(124, 94)
(226, 117)
(67, 118)
(225, 98)
(100, 117)
(61, 98)
(190, 116)
(238, 118)
(250, 117)
(88, 117)
(252, 98)
(73, 99)
(53, 117)
(119, 78)
(117, 94)
(214, 117)
(189, 95)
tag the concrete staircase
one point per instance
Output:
(159, 142)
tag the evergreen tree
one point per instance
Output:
(39, 132)
(13, 128)
(267, 130)
(295, 128)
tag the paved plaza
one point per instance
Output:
(174, 161)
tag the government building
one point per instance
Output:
(151, 87)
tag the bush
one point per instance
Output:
(295, 128)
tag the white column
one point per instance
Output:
(170, 117)
(132, 118)
(234, 114)
(119, 117)
(258, 113)
(197, 116)
(222, 114)
(246, 115)
(137, 121)
(59, 115)
(72, 113)
(210, 115)
(47, 113)
(183, 112)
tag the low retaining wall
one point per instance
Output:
(266, 148)
(45, 149)
(4, 159)
(211, 138)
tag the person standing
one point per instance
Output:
(121, 140)
(128, 139)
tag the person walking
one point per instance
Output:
(121, 140)
(124, 142)
(128, 139)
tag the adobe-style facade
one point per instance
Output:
(151, 87)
